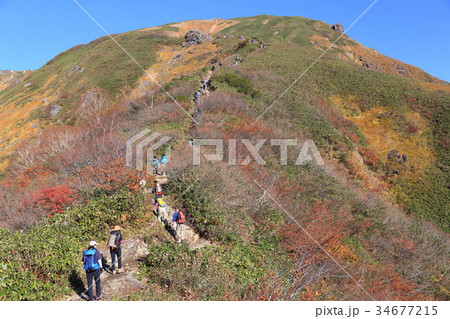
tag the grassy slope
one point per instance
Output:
(104, 66)
(247, 255)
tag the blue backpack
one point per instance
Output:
(90, 264)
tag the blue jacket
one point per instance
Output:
(175, 217)
(163, 159)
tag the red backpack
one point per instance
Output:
(181, 218)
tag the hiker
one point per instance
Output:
(220, 63)
(157, 190)
(213, 68)
(163, 162)
(114, 243)
(155, 164)
(191, 142)
(92, 260)
(196, 94)
(142, 183)
(178, 223)
(203, 83)
(161, 210)
(197, 112)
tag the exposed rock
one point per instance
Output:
(89, 97)
(368, 63)
(75, 69)
(54, 109)
(121, 285)
(337, 27)
(195, 37)
(145, 84)
(27, 84)
(349, 55)
(396, 156)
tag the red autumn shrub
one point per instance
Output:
(51, 201)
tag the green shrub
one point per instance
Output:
(242, 84)
(43, 267)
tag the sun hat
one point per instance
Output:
(93, 243)
(116, 227)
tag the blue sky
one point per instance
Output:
(413, 31)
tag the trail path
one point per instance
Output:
(134, 251)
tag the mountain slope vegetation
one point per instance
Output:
(380, 201)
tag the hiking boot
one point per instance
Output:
(113, 272)
(98, 298)
(119, 271)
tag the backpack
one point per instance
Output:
(90, 264)
(181, 219)
(161, 202)
(114, 240)
(158, 190)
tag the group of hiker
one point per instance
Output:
(157, 164)
(92, 258)
(178, 217)
(93, 262)
(202, 90)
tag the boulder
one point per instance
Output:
(195, 37)
(121, 285)
(395, 155)
(54, 109)
(337, 27)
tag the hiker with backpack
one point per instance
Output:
(161, 210)
(178, 220)
(114, 242)
(155, 164)
(92, 260)
(163, 162)
(157, 190)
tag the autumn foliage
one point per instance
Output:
(51, 201)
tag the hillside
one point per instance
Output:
(382, 198)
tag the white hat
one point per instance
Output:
(93, 243)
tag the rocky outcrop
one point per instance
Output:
(395, 155)
(337, 27)
(54, 109)
(195, 37)
(395, 163)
